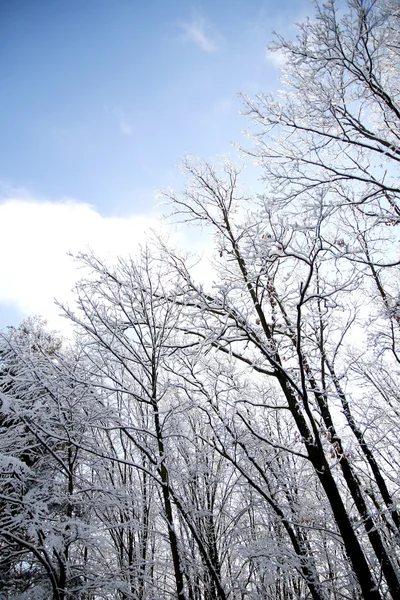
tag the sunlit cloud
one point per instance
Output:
(199, 32)
(36, 239)
(39, 236)
(276, 57)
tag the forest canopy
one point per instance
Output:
(236, 442)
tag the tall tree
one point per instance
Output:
(276, 309)
(43, 532)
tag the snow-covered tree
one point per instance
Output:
(44, 531)
(241, 441)
(285, 304)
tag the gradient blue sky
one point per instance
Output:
(100, 98)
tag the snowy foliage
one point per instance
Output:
(238, 442)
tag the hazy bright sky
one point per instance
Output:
(98, 101)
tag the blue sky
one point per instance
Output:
(100, 98)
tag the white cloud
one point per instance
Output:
(38, 235)
(36, 238)
(276, 57)
(200, 33)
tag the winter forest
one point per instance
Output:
(238, 441)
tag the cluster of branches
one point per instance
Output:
(238, 442)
